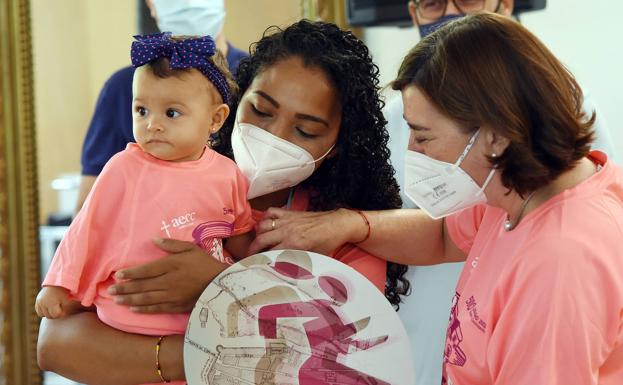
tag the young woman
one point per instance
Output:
(311, 89)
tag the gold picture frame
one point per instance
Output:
(19, 257)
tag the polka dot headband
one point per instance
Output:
(189, 53)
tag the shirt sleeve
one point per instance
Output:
(370, 266)
(242, 209)
(555, 317)
(81, 261)
(463, 226)
(111, 125)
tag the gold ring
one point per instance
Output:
(272, 224)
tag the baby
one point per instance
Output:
(167, 184)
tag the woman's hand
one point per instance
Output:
(320, 232)
(171, 284)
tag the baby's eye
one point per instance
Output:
(171, 113)
(141, 111)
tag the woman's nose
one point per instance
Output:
(280, 128)
(451, 9)
(416, 148)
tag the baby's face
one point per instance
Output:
(173, 117)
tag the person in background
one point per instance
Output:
(111, 125)
(425, 311)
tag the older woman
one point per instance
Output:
(499, 163)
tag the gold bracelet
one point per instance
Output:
(158, 368)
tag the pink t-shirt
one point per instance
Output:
(138, 197)
(543, 303)
(370, 266)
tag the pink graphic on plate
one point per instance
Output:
(209, 236)
(291, 317)
(327, 333)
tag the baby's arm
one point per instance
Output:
(54, 302)
(238, 245)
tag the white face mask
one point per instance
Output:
(190, 17)
(441, 188)
(269, 162)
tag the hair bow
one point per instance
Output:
(182, 54)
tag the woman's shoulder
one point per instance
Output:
(591, 211)
(579, 230)
(566, 267)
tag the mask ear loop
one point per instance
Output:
(325, 154)
(469, 146)
(484, 185)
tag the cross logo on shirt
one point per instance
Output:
(165, 228)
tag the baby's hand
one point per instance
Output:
(53, 302)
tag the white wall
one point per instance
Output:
(587, 36)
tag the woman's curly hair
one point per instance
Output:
(359, 175)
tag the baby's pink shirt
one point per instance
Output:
(543, 303)
(136, 198)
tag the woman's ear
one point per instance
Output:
(412, 12)
(219, 115)
(506, 7)
(495, 144)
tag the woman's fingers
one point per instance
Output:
(147, 298)
(276, 213)
(149, 270)
(272, 218)
(162, 308)
(266, 225)
(160, 266)
(318, 231)
(169, 284)
(173, 245)
(264, 241)
(276, 218)
(136, 286)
